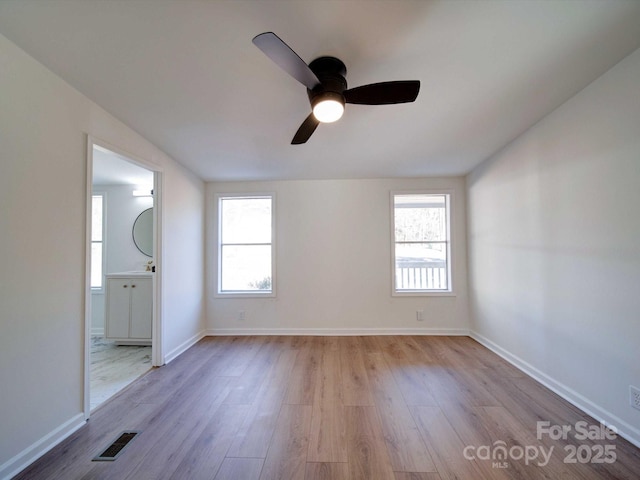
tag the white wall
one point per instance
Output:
(333, 259)
(123, 208)
(554, 247)
(43, 144)
(183, 268)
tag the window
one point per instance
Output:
(245, 245)
(422, 243)
(97, 240)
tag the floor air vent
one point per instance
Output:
(116, 448)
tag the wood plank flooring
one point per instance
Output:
(335, 408)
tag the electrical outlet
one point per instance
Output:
(241, 316)
(419, 315)
(634, 397)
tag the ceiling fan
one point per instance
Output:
(326, 85)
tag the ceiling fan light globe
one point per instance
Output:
(328, 111)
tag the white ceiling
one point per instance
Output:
(186, 76)
(109, 168)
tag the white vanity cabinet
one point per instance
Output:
(129, 308)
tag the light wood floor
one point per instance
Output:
(359, 408)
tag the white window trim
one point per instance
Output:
(242, 294)
(101, 290)
(450, 264)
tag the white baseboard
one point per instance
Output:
(97, 331)
(335, 332)
(173, 354)
(624, 429)
(30, 454)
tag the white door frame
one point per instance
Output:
(157, 347)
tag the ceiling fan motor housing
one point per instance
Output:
(331, 72)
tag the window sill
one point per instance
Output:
(423, 294)
(244, 295)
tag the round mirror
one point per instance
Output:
(143, 232)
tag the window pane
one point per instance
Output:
(421, 266)
(96, 218)
(421, 250)
(96, 265)
(246, 268)
(246, 220)
(420, 218)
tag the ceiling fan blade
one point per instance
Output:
(385, 93)
(306, 130)
(278, 51)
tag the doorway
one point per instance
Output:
(121, 324)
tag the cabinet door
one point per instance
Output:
(118, 308)
(141, 308)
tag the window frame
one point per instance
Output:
(449, 204)
(218, 292)
(103, 194)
